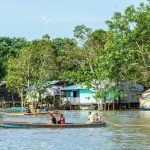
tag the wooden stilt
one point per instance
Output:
(105, 106)
(70, 107)
(108, 106)
(113, 106)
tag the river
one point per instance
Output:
(132, 132)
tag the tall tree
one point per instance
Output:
(34, 65)
(129, 51)
(62, 47)
(87, 59)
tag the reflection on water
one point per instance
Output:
(111, 137)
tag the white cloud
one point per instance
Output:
(45, 19)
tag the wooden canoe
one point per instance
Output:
(32, 114)
(7, 124)
(42, 113)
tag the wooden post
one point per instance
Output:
(104, 106)
(92, 107)
(70, 106)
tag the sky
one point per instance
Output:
(34, 18)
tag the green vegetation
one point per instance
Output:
(9, 48)
(122, 52)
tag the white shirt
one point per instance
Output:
(91, 117)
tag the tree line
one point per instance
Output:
(120, 53)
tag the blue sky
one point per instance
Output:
(33, 18)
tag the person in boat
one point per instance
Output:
(90, 118)
(53, 119)
(57, 118)
(62, 119)
(97, 117)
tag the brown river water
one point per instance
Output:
(126, 130)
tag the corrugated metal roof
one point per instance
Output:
(54, 82)
(2, 83)
(73, 87)
(42, 85)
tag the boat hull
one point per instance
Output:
(42, 113)
(46, 125)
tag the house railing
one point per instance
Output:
(72, 100)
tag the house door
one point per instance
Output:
(74, 93)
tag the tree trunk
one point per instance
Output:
(98, 103)
(113, 106)
(54, 100)
(39, 99)
(101, 105)
(21, 96)
(108, 106)
(105, 106)
(119, 103)
(24, 103)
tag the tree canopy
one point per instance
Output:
(9, 48)
(129, 51)
(120, 53)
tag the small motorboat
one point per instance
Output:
(8, 124)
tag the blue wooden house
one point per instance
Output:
(78, 95)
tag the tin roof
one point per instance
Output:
(73, 87)
(2, 83)
(54, 82)
(42, 85)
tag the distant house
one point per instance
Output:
(56, 85)
(50, 88)
(131, 89)
(7, 97)
(145, 100)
